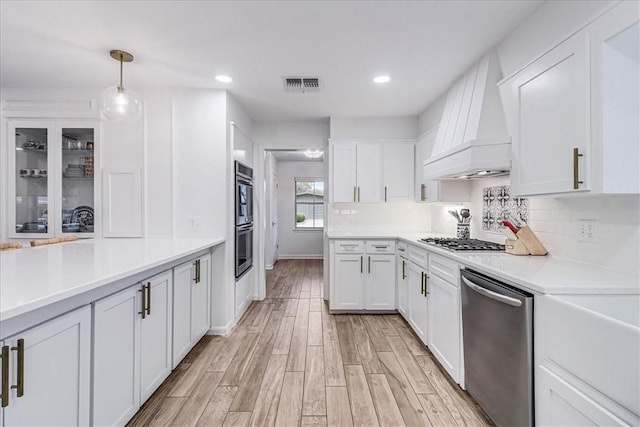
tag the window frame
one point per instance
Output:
(295, 202)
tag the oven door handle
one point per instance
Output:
(493, 295)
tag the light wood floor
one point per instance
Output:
(289, 363)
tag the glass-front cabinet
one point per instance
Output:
(52, 179)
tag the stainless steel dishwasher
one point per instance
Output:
(497, 322)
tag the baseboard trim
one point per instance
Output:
(300, 257)
(222, 330)
(268, 267)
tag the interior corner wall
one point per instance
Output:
(400, 127)
(296, 244)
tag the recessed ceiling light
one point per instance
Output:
(313, 154)
(223, 79)
(381, 79)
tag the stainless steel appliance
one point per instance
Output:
(244, 194)
(244, 219)
(244, 250)
(497, 329)
(463, 244)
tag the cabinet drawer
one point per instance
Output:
(445, 268)
(349, 246)
(402, 249)
(381, 247)
(419, 256)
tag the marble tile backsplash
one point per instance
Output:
(555, 222)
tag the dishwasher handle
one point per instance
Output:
(493, 295)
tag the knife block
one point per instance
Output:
(527, 243)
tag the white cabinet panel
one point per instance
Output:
(155, 335)
(444, 324)
(380, 282)
(552, 100)
(398, 163)
(417, 301)
(402, 286)
(348, 289)
(116, 361)
(369, 173)
(122, 203)
(181, 311)
(200, 291)
(343, 176)
(56, 374)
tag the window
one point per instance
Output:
(309, 203)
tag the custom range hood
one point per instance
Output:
(472, 139)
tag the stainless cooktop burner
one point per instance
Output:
(463, 244)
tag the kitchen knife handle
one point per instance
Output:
(4, 389)
(576, 179)
(20, 368)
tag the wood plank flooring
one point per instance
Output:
(291, 363)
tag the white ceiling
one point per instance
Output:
(293, 156)
(422, 45)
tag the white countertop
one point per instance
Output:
(538, 274)
(32, 278)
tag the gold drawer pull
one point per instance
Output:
(4, 390)
(19, 387)
(576, 179)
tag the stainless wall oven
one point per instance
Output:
(243, 219)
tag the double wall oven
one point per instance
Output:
(243, 219)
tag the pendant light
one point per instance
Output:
(116, 102)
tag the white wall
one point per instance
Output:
(400, 216)
(296, 244)
(292, 135)
(270, 202)
(401, 127)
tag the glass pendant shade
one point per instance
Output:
(118, 103)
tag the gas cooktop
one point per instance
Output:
(463, 244)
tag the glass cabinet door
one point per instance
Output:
(77, 170)
(31, 187)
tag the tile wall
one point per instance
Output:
(391, 217)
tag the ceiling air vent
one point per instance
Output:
(301, 84)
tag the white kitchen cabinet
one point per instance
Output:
(343, 172)
(417, 295)
(573, 112)
(402, 284)
(363, 275)
(565, 405)
(50, 366)
(551, 138)
(53, 184)
(380, 282)
(444, 324)
(132, 348)
(397, 171)
(372, 171)
(191, 289)
(348, 282)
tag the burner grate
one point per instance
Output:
(463, 244)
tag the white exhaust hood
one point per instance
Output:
(472, 139)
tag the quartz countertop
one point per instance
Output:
(537, 274)
(32, 278)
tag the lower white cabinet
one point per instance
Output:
(49, 365)
(417, 295)
(363, 276)
(565, 405)
(444, 324)
(191, 288)
(402, 286)
(132, 348)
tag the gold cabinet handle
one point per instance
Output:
(358, 194)
(148, 298)
(426, 285)
(576, 178)
(196, 278)
(385, 193)
(369, 267)
(144, 301)
(4, 385)
(403, 273)
(19, 386)
(360, 264)
(354, 194)
(422, 283)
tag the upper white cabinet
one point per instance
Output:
(371, 171)
(53, 184)
(573, 112)
(49, 373)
